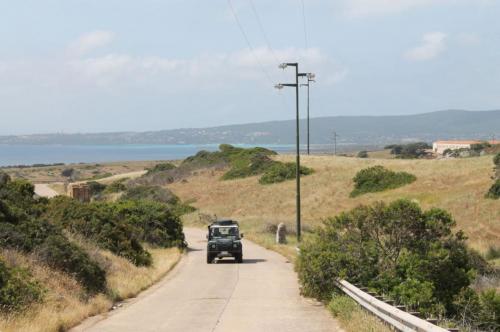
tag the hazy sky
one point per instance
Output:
(116, 65)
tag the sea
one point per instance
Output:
(14, 155)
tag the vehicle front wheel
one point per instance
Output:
(210, 259)
(239, 258)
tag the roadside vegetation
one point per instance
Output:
(62, 260)
(494, 191)
(237, 163)
(407, 254)
(409, 151)
(378, 178)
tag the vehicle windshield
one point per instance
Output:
(223, 231)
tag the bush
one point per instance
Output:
(160, 168)
(409, 151)
(17, 290)
(496, 160)
(494, 191)
(378, 178)
(158, 224)
(97, 222)
(151, 193)
(280, 172)
(23, 228)
(362, 154)
(68, 172)
(116, 186)
(60, 254)
(96, 188)
(256, 164)
(396, 249)
(478, 312)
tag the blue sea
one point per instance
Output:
(49, 154)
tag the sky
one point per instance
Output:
(121, 65)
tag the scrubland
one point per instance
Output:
(456, 185)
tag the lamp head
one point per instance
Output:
(283, 65)
(311, 76)
(278, 86)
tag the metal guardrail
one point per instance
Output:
(399, 319)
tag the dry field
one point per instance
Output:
(457, 185)
(83, 171)
(65, 303)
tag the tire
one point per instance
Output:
(239, 258)
(210, 259)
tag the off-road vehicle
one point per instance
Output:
(224, 240)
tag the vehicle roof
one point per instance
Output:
(224, 222)
(216, 225)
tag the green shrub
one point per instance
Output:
(97, 222)
(24, 229)
(496, 160)
(280, 172)
(478, 312)
(494, 191)
(158, 224)
(242, 168)
(96, 188)
(396, 249)
(160, 168)
(60, 254)
(116, 186)
(410, 150)
(363, 154)
(493, 253)
(17, 289)
(150, 193)
(378, 178)
(68, 172)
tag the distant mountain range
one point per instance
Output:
(351, 130)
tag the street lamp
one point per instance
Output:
(310, 78)
(297, 174)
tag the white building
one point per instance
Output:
(440, 146)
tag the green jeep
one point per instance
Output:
(224, 240)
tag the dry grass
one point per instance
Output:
(457, 185)
(84, 171)
(65, 303)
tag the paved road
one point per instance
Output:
(43, 190)
(260, 295)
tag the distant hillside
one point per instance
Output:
(358, 130)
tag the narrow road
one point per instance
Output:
(43, 190)
(262, 294)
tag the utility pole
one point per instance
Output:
(297, 171)
(310, 78)
(335, 143)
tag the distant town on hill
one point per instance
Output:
(351, 130)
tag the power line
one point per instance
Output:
(261, 27)
(245, 36)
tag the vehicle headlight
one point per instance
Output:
(235, 245)
(213, 246)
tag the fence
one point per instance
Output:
(399, 319)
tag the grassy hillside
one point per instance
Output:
(457, 185)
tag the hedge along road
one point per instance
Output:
(261, 294)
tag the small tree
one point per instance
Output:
(363, 154)
(395, 248)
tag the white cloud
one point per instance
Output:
(208, 70)
(90, 41)
(433, 44)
